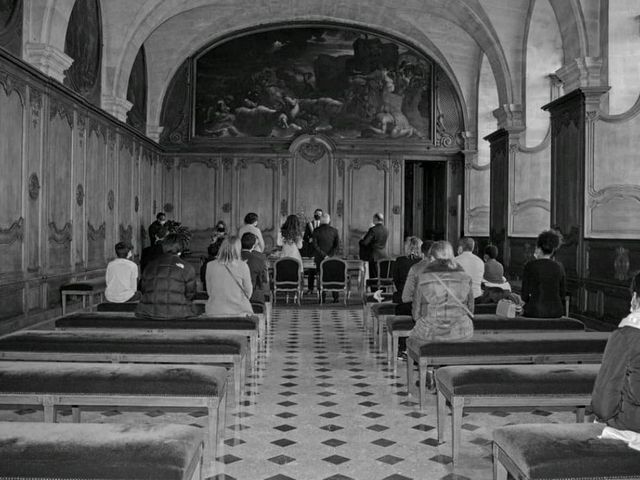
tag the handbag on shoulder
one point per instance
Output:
(506, 309)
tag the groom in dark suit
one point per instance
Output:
(307, 242)
(325, 242)
(373, 245)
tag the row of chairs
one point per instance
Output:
(288, 277)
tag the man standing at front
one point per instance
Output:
(373, 245)
(307, 242)
(325, 244)
(471, 264)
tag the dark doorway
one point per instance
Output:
(425, 199)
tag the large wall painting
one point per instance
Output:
(340, 82)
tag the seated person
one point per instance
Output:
(616, 393)
(212, 253)
(155, 249)
(543, 280)
(257, 263)
(228, 282)
(168, 283)
(471, 263)
(443, 304)
(411, 284)
(494, 286)
(122, 276)
(401, 267)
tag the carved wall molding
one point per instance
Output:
(381, 164)
(168, 163)
(530, 203)
(79, 194)
(126, 142)
(633, 112)
(312, 148)
(340, 166)
(125, 234)
(621, 264)
(111, 200)
(58, 107)
(208, 161)
(14, 233)
(11, 83)
(96, 234)
(285, 166)
(241, 164)
(227, 162)
(136, 204)
(35, 100)
(34, 186)
(61, 236)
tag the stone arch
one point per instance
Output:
(573, 30)
(468, 15)
(46, 21)
(415, 39)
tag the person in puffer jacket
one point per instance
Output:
(616, 394)
(168, 284)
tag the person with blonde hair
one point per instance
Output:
(402, 265)
(443, 302)
(228, 282)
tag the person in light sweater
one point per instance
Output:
(122, 276)
(471, 264)
(228, 282)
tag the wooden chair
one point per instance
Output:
(334, 277)
(288, 277)
(382, 278)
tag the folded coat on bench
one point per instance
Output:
(567, 452)
(510, 385)
(55, 384)
(504, 349)
(132, 346)
(100, 451)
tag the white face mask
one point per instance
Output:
(130, 254)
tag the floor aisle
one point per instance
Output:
(324, 405)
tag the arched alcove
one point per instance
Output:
(284, 81)
(83, 43)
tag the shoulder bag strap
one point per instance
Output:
(457, 300)
(238, 283)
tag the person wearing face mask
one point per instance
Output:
(307, 249)
(543, 280)
(122, 276)
(156, 226)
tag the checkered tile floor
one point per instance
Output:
(324, 405)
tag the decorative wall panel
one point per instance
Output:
(96, 195)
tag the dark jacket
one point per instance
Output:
(401, 268)
(149, 254)
(616, 393)
(374, 243)
(257, 263)
(307, 239)
(543, 288)
(325, 242)
(168, 285)
(153, 231)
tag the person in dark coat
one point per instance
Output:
(168, 284)
(156, 226)
(326, 242)
(154, 250)
(543, 280)
(257, 262)
(307, 243)
(615, 399)
(401, 267)
(373, 245)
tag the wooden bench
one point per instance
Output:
(56, 384)
(128, 307)
(510, 385)
(379, 314)
(567, 452)
(86, 289)
(263, 313)
(368, 302)
(503, 349)
(87, 451)
(130, 346)
(114, 321)
(400, 326)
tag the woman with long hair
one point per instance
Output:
(543, 279)
(291, 233)
(228, 282)
(443, 306)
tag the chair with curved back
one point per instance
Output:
(287, 277)
(383, 279)
(334, 277)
